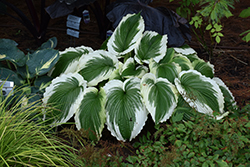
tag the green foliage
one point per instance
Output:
(244, 14)
(206, 15)
(205, 141)
(27, 141)
(28, 71)
(198, 141)
(136, 75)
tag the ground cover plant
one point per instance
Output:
(135, 75)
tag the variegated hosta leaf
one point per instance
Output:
(116, 74)
(69, 59)
(125, 111)
(42, 61)
(152, 45)
(168, 56)
(169, 70)
(192, 57)
(185, 50)
(183, 61)
(205, 68)
(130, 69)
(200, 92)
(126, 35)
(91, 112)
(97, 66)
(160, 97)
(63, 95)
(228, 96)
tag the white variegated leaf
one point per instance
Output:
(91, 112)
(205, 68)
(125, 111)
(160, 97)
(185, 50)
(183, 61)
(130, 69)
(200, 92)
(63, 94)
(69, 59)
(228, 96)
(152, 45)
(126, 35)
(97, 66)
(166, 70)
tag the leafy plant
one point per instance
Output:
(28, 71)
(206, 15)
(245, 13)
(136, 75)
(202, 141)
(27, 143)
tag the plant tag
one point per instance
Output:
(73, 22)
(86, 16)
(73, 33)
(109, 33)
(7, 87)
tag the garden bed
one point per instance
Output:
(230, 58)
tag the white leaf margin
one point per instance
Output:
(196, 104)
(140, 119)
(136, 39)
(145, 90)
(49, 91)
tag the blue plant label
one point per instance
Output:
(72, 24)
(73, 33)
(74, 18)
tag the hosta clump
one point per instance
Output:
(28, 71)
(134, 76)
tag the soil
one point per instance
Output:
(231, 58)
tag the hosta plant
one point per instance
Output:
(28, 71)
(137, 75)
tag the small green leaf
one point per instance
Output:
(217, 39)
(245, 13)
(178, 143)
(209, 26)
(221, 163)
